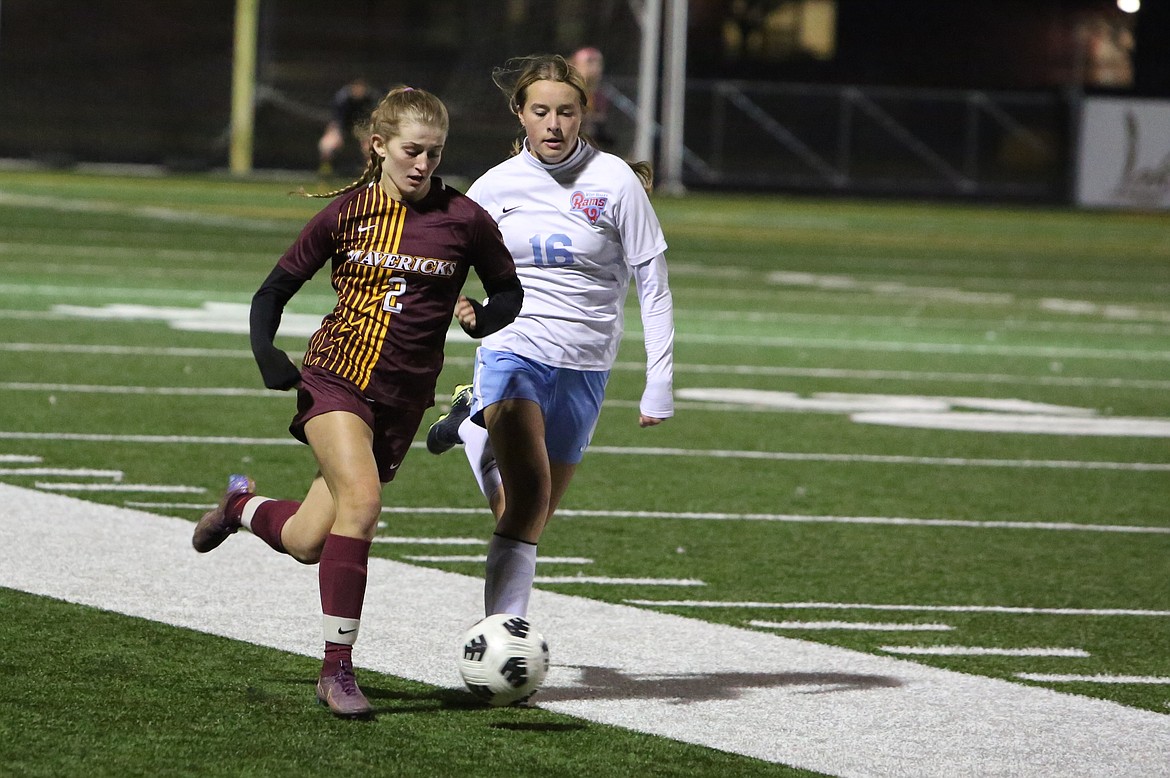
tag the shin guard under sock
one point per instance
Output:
(511, 569)
(342, 576)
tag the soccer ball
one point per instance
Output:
(503, 660)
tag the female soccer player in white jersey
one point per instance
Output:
(579, 225)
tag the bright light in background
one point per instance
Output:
(1130, 6)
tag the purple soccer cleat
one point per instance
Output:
(341, 694)
(216, 524)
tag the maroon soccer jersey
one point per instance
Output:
(398, 268)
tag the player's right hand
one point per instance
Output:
(465, 313)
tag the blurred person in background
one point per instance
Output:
(349, 109)
(580, 225)
(399, 244)
(1108, 46)
(590, 63)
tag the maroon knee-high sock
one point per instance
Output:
(342, 576)
(270, 518)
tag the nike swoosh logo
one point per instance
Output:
(366, 228)
(341, 631)
(509, 210)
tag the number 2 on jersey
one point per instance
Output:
(390, 302)
(551, 251)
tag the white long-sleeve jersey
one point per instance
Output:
(577, 231)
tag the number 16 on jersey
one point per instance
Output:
(551, 251)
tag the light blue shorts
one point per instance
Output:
(569, 399)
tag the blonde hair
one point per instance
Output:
(400, 105)
(517, 74)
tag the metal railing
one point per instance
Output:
(872, 140)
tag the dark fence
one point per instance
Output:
(873, 140)
(149, 83)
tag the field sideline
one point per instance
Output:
(844, 713)
(921, 452)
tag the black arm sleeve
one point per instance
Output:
(503, 304)
(268, 303)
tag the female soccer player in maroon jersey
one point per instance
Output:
(400, 245)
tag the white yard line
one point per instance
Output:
(792, 518)
(881, 459)
(55, 486)
(1143, 680)
(611, 581)
(406, 541)
(782, 456)
(911, 375)
(919, 347)
(1057, 526)
(99, 437)
(779, 371)
(756, 341)
(984, 651)
(151, 212)
(168, 391)
(1027, 610)
(1035, 424)
(917, 322)
(126, 351)
(804, 704)
(857, 626)
(482, 558)
(77, 472)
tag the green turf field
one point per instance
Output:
(887, 413)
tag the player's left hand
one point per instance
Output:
(649, 421)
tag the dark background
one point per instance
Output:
(139, 81)
(987, 44)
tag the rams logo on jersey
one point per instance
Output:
(592, 205)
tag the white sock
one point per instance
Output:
(478, 449)
(511, 568)
(250, 510)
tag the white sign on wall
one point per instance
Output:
(1123, 159)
